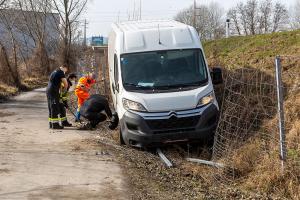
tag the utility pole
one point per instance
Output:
(85, 27)
(133, 11)
(140, 9)
(128, 14)
(227, 28)
(194, 14)
(118, 17)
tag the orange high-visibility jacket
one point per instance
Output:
(82, 89)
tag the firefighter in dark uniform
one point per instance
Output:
(57, 78)
(63, 101)
(96, 109)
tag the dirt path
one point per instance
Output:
(38, 163)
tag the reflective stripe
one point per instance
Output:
(63, 119)
(54, 120)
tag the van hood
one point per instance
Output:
(173, 101)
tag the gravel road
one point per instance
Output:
(38, 163)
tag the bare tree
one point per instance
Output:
(8, 20)
(265, 16)
(201, 22)
(243, 16)
(69, 11)
(233, 14)
(2, 3)
(209, 20)
(280, 16)
(256, 17)
(251, 10)
(35, 14)
(185, 16)
(295, 15)
(216, 20)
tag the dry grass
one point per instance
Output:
(33, 83)
(7, 91)
(258, 165)
(246, 158)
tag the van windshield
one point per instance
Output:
(163, 70)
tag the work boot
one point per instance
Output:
(57, 126)
(50, 125)
(114, 122)
(66, 124)
(86, 126)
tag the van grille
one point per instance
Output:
(173, 123)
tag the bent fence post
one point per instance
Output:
(280, 110)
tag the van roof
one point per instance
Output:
(148, 25)
(139, 36)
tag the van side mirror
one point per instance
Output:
(216, 75)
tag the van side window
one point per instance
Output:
(116, 70)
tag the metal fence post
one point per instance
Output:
(280, 110)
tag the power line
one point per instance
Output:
(144, 11)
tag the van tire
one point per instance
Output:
(122, 142)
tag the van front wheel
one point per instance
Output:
(122, 142)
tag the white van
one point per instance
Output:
(160, 82)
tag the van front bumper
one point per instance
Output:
(155, 129)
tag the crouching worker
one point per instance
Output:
(96, 109)
(63, 101)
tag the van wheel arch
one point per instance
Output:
(122, 142)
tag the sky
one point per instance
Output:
(101, 13)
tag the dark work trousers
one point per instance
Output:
(63, 112)
(54, 108)
(95, 118)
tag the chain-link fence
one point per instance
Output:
(248, 140)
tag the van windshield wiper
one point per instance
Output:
(190, 84)
(139, 86)
(183, 85)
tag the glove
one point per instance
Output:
(66, 104)
(114, 122)
(112, 126)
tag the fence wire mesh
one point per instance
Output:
(247, 136)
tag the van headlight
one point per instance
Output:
(206, 100)
(132, 105)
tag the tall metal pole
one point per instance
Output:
(85, 27)
(118, 20)
(140, 9)
(194, 14)
(280, 111)
(134, 11)
(227, 28)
